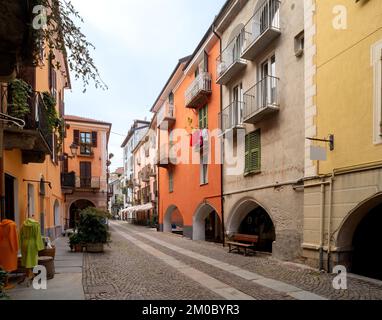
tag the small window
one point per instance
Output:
(203, 118)
(253, 152)
(299, 44)
(171, 181)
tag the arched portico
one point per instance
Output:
(173, 220)
(360, 237)
(249, 217)
(75, 208)
(206, 224)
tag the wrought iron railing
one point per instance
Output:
(202, 83)
(87, 182)
(68, 180)
(266, 17)
(230, 55)
(231, 116)
(262, 94)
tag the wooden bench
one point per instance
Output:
(245, 241)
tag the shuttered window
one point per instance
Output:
(76, 137)
(203, 118)
(253, 152)
(171, 181)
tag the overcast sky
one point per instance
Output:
(138, 44)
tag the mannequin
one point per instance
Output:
(30, 243)
(8, 247)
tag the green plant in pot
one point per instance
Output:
(19, 95)
(93, 229)
(76, 242)
(3, 279)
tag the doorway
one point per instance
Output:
(10, 197)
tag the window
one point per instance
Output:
(203, 170)
(299, 44)
(170, 181)
(85, 174)
(203, 118)
(253, 152)
(86, 143)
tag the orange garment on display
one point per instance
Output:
(8, 245)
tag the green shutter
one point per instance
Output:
(203, 118)
(253, 152)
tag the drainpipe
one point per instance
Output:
(322, 216)
(222, 146)
(330, 220)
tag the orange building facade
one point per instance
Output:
(187, 117)
(84, 178)
(31, 153)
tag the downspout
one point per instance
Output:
(330, 220)
(222, 146)
(322, 216)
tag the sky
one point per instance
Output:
(138, 44)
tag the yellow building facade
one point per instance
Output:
(32, 166)
(343, 82)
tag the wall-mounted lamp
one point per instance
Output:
(74, 150)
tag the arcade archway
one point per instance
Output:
(173, 221)
(75, 209)
(206, 224)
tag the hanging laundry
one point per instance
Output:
(30, 243)
(8, 245)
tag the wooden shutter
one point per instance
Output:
(94, 139)
(76, 135)
(253, 152)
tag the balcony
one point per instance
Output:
(199, 91)
(165, 158)
(35, 139)
(230, 63)
(262, 29)
(261, 100)
(231, 117)
(68, 180)
(166, 114)
(88, 183)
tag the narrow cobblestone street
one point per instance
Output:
(142, 264)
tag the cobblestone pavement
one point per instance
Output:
(126, 272)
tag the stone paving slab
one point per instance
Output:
(301, 276)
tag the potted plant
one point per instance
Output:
(75, 242)
(93, 229)
(3, 279)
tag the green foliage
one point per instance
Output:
(75, 239)
(20, 93)
(51, 112)
(61, 33)
(92, 227)
(3, 277)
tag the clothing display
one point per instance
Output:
(30, 243)
(8, 245)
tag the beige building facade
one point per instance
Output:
(261, 71)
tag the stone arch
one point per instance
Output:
(359, 238)
(206, 216)
(250, 217)
(76, 207)
(173, 217)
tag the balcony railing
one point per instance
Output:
(232, 116)
(35, 139)
(199, 91)
(261, 29)
(166, 113)
(88, 182)
(68, 180)
(261, 100)
(165, 158)
(229, 63)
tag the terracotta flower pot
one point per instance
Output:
(78, 248)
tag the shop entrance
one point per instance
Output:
(75, 210)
